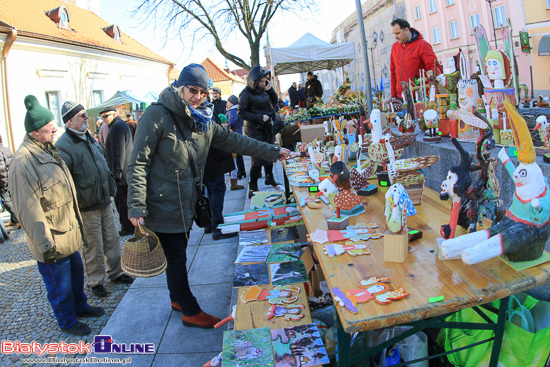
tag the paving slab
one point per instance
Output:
(139, 310)
(214, 299)
(213, 264)
(208, 240)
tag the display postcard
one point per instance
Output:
(252, 237)
(253, 274)
(288, 273)
(298, 346)
(247, 348)
(285, 252)
(253, 254)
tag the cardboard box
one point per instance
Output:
(310, 132)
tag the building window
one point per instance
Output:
(113, 31)
(547, 4)
(60, 16)
(500, 17)
(433, 7)
(449, 2)
(417, 12)
(52, 98)
(474, 21)
(437, 38)
(97, 97)
(454, 29)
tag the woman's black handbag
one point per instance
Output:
(203, 215)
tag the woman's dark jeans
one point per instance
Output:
(175, 250)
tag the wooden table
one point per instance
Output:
(422, 275)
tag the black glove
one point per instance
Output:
(50, 256)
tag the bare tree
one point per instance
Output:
(202, 19)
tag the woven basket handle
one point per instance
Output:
(141, 229)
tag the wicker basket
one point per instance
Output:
(142, 256)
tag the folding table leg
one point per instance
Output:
(499, 331)
(343, 348)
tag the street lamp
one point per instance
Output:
(493, 21)
(374, 44)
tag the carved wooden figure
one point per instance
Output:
(544, 130)
(523, 232)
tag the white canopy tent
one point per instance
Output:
(310, 53)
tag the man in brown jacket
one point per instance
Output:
(44, 198)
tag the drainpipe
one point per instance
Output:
(10, 39)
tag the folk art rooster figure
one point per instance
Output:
(523, 232)
(544, 130)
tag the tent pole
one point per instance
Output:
(331, 83)
(364, 49)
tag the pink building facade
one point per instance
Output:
(448, 25)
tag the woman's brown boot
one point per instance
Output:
(235, 185)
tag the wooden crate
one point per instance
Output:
(415, 191)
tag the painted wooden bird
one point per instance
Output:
(544, 130)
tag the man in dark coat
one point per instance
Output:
(95, 185)
(314, 89)
(218, 102)
(5, 159)
(293, 95)
(118, 148)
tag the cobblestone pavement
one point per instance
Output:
(25, 313)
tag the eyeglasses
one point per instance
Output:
(105, 116)
(203, 93)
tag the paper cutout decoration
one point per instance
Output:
(288, 272)
(362, 232)
(277, 296)
(373, 288)
(289, 313)
(247, 348)
(298, 346)
(352, 248)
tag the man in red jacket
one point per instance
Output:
(408, 55)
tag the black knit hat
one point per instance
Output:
(37, 116)
(193, 75)
(69, 110)
(108, 109)
(233, 99)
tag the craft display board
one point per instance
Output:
(422, 274)
(254, 314)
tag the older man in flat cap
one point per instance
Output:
(95, 185)
(45, 202)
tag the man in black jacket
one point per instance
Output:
(5, 159)
(219, 104)
(314, 89)
(95, 185)
(118, 148)
(293, 95)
